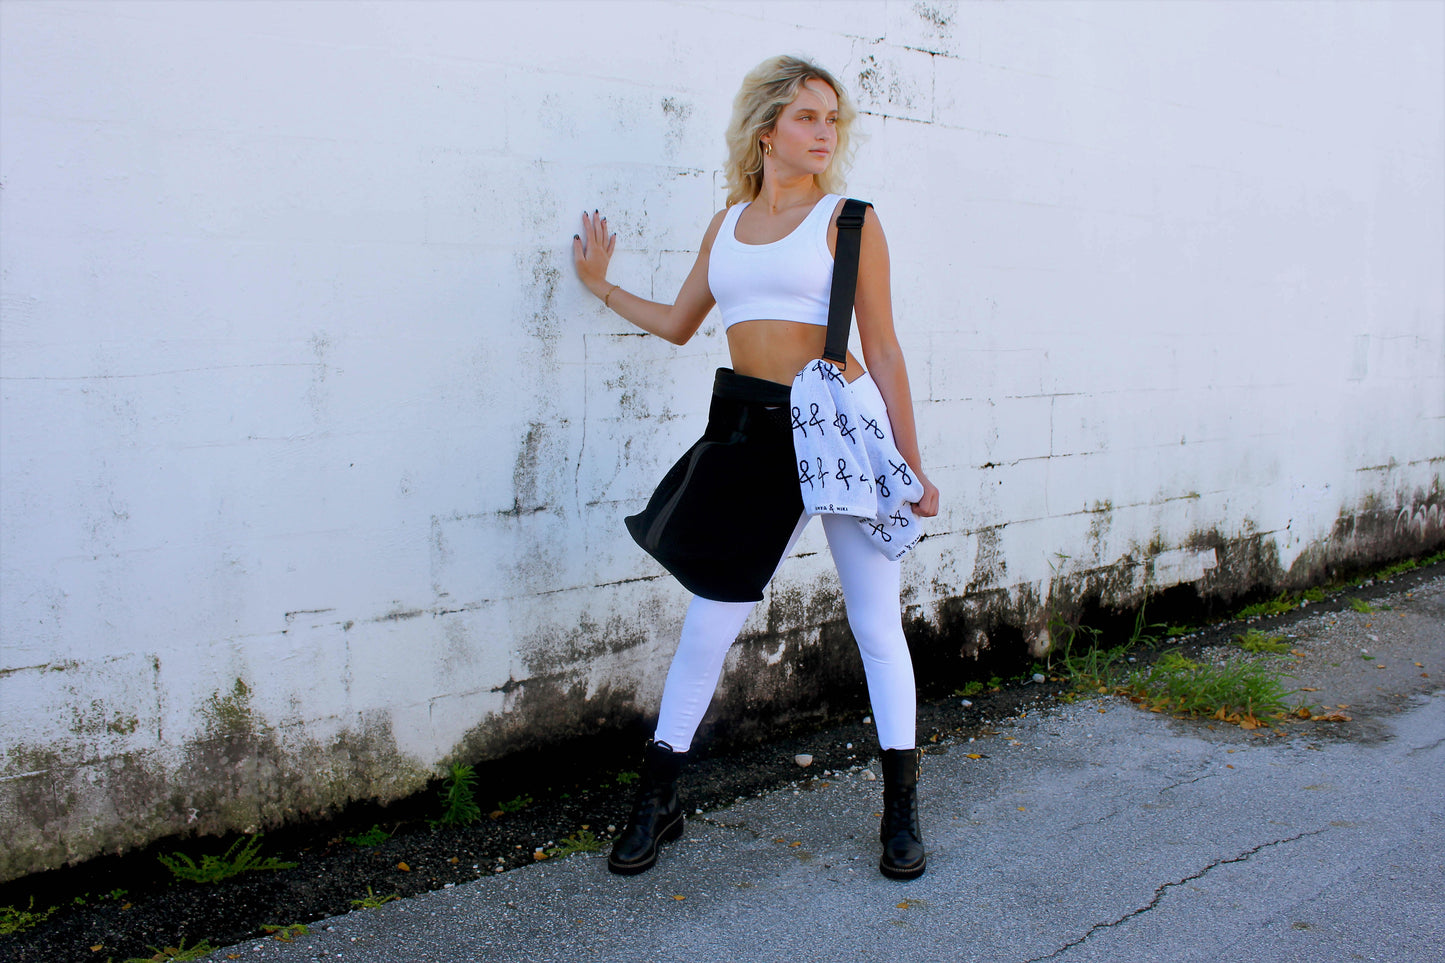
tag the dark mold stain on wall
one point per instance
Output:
(800, 669)
(238, 774)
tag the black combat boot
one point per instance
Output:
(656, 814)
(903, 856)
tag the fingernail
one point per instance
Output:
(576, 237)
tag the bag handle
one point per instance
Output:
(845, 281)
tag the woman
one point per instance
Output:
(766, 261)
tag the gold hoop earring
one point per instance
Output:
(767, 149)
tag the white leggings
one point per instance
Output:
(870, 592)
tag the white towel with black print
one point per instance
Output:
(848, 463)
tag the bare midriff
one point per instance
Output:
(778, 350)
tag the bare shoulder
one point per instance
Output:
(871, 223)
(712, 228)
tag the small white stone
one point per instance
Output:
(803, 759)
(848, 746)
(867, 720)
(868, 776)
(970, 738)
(967, 703)
(1038, 677)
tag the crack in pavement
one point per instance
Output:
(1434, 745)
(1166, 887)
(1190, 782)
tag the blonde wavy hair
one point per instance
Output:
(767, 89)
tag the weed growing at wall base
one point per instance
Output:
(244, 856)
(13, 920)
(583, 841)
(286, 934)
(1237, 692)
(374, 836)
(372, 901)
(176, 954)
(1256, 641)
(1234, 692)
(459, 801)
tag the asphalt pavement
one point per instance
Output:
(1091, 830)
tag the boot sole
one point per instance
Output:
(902, 872)
(670, 832)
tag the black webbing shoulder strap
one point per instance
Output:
(845, 281)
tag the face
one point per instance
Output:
(806, 133)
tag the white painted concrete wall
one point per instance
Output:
(307, 428)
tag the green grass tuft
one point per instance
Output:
(583, 841)
(374, 836)
(1256, 641)
(1233, 691)
(1274, 606)
(515, 804)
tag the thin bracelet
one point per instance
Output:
(608, 295)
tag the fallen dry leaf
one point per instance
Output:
(453, 860)
(679, 897)
(100, 946)
(1297, 652)
(1308, 688)
(973, 755)
(1331, 717)
(795, 845)
(403, 867)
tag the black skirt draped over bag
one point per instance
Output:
(721, 517)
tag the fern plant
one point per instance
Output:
(244, 856)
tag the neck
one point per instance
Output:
(780, 192)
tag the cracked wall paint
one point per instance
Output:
(313, 456)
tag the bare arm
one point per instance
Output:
(677, 322)
(884, 355)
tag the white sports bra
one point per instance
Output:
(789, 279)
